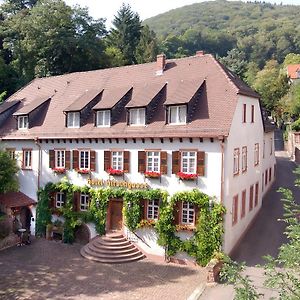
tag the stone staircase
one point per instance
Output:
(113, 248)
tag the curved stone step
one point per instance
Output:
(112, 261)
(112, 248)
(111, 251)
(112, 255)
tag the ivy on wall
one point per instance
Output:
(208, 232)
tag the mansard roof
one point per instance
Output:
(216, 91)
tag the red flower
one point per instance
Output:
(187, 176)
(151, 174)
(83, 171)
(59, 170)
(112, 171)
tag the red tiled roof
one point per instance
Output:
(29, 107)
(143, 94)
(212, 117)
(7, 105)
(183, 91)
(83, 100)
(110, 97)
(293, 70)
(15, 199)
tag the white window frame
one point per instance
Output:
(188, 213)
(60, 158)
(236, 161)
(27, 159)
(177, 111)
(84, 202)
(59, 199)
(190, 161)
(256, 154)
(152, 209)
(103, 118)
(153, 161)
(244, 159)
(140, 117)
(73, 119)
(23, 122)
(117, 160)
(82, 160)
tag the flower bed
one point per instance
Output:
(186, 176)
(115, 172)
(185, 228)
(59, 170)
(152, 174)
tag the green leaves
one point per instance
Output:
(8, 171)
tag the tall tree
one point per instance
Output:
(126, 32)
(271, 85)
(69, 40)
(8, 170)
(147, 48)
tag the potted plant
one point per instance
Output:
(214, 267)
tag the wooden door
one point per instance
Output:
(116, 217)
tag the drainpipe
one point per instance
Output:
(221, 140)
(36, 140)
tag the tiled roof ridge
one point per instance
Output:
(224, 71)
(13, 96)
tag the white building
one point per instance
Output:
(188, 115)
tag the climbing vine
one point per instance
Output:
(208, 232)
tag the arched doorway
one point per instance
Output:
(82, 234)
(25, 217)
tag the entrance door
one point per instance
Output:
(116, 214)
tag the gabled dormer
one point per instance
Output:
(143, 104)
(7, 108)
(79, 111)
(108, 110)
(30, 114)
(182, 100)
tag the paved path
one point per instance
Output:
(266, 234)
(264, 237)
(52, 270)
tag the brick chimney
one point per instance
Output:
(160, 64)
(200, 53)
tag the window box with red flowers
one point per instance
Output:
(187, 176)
(151, 174)
(83, 171)
(115, 172)
(59, 170)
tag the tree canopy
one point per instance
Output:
(8, 170)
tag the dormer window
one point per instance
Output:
(73, 119)
(137, 116)
(103, 118)
(177, 114)
(23, 122)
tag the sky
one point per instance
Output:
(145, 8)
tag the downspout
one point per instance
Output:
(36, 140)
(221, 140)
